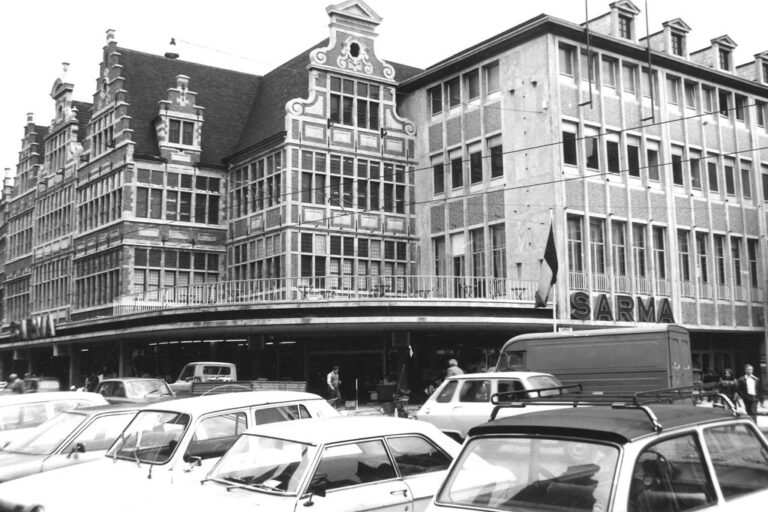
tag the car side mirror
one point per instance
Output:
(78, 448)
(315, 490)
(193, 461)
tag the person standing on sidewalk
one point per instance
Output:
(334, 392)
(750, 390)
(453, 369)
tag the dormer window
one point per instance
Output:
(625, 27)
(765, 72)
(181, 132)
(725, 59)
(678, 45)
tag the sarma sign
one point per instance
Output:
(625, 309)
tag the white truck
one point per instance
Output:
(203, 371)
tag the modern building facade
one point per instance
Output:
(344, 209)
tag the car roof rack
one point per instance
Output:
(574, 396)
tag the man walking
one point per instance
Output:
(334, 392)
(750, 390)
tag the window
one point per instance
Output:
(724, 102)
(491, 74)
(683, 248)
(475, 165)
(625, 27)
(575, 244)
(446, 394)
(673, 90)
(633, 156)
(765, 72)
(736, 259)
(746, 180)
(214, 435)
(691, 95)
(498, 251)
(712, 173)
(657, 485)
(720, 258)
(709, 99)
(475, 391)
(497, 157)
(760, 113)
(619, 247)
(639, 250)
(695, 163)
(342, 101)
(438, 177)
(741, 107)
(629, 78)
(415, 455)
(569, 148)
(597, 245)
(593, 158)
(677, 169)
(453, 92)
(367, 106)
(180, 132)
(752, 248)
(281, 413)
(436, 99)
(736, 448)
(659, 251)
(764, 177)
(588, 66)
(610, 66)
(725, 59)
(730, 185)
(351, 464)
(567, 56)
(653, 164)
(472, 84)
(354, 103)
(457, 171)
(650, 90)
(678, 47)
(702, 243)
(612, 152)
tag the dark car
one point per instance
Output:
(72, 437)
(611, 456)
(134, 390)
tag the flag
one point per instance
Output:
(548, 272)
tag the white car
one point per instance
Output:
(463, 401)
(21, 412)
(341, 464)
(170, 442)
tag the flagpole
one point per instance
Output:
(554, 285)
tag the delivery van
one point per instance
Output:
(615, 359)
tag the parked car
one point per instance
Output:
(41, 384)
(134, 389)
(203, 371)
(172, 442)
(21, 412)
(617, 457)
(463, 401)
(331, 464)
(72, 437)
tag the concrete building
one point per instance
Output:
(343, 209)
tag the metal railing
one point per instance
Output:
(332, 288)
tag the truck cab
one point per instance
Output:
(203, 371)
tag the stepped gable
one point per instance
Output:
(226, 95)
(84, 111)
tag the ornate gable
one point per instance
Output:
(677, 25)
(626, 6)
(724, 41)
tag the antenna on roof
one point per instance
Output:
(590, 78)
(171, 52)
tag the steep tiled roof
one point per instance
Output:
(84, 111)
(226, 95)
(284, 83)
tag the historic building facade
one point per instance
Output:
(342, 208)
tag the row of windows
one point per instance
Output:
(464, 89)
(44, 272)
(702, 249)
(482, 243)
(97, 290)
(181, 132)
(102, 133)
(97, 263)
(472, 167)
(166, 268)
(52, 294)
(691, 171)
(256, 186)
(159, 201)
(56, 150)
(100, 201)
(354, 103)
(54, 224)
(177, 180)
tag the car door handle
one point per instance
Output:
(404, 492)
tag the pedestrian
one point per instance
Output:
(453, 369)
(728, 385)
(750, 390)
(17, 384)
(334, 392)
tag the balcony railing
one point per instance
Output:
(687, 289)
(706, 291)
(333, 288)
(643, 286)
(723, 292)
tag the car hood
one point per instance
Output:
(16, 465)
(77, 488)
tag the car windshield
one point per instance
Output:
(147, 389)
(151, 437)
(45, 438)
(526, 473)
(265, 464)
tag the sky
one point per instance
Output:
(255, 36)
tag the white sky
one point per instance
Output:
(255, 36)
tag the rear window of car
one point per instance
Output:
(446, 393)
(740, 459)
(281, 413)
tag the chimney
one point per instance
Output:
(171, 52)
